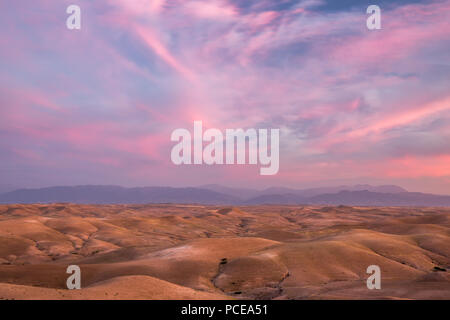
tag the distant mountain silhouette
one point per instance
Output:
(288, 198)
(115, 194)
(240, 193)
(246, 193)
(367, 198)
(386, 196)
(317, 191)
(6, 188)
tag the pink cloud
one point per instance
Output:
(157, 46)
(336, 89)
(213, 9)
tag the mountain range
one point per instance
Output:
(362, 195)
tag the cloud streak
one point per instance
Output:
(348, 101)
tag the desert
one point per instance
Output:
(168, 251)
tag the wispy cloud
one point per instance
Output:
(109, 95)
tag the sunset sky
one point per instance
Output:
(98, 105)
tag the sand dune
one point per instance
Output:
(206, 252)
(125, 288)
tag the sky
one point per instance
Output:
(98, 105)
